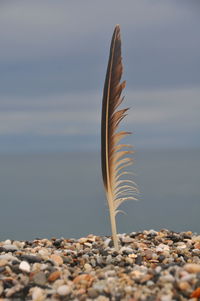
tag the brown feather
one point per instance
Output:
(113, 156)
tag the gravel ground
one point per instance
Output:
(150, 266)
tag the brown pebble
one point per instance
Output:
(192, 268)
(145, 278)
(92, 293)
(53, 276)
(148, 254)
(85, 279)
(184, 286)
(197, 245)
(196, 293)
(57, 259)
(3, 262)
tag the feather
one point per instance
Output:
(113, 156)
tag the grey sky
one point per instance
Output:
(52, 66)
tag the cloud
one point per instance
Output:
(50, 47)
(80, 114)
(35, 29)
(53, 59)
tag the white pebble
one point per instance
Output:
(127, 239)
(10, 247)
(87, 267)
(7, 242)
(167, 278)
(166, 298)
(8, 257)
(150, 283)
(107, 241)
(24, 266)
(64, 290)
(37, 294)
(162, 247)
(196, 238)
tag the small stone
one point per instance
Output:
(19, 244)
(53, 276)
(64, 290)
(7, 242)
(3, 262)
(138, 260)
(166, 298)
(162, 247)
(57, 259)
(43, 252)
(148, 254)
(39, 278)
(184, 286)
(92, 293)
(126, 250)
(167, 278)
(8, 257)
(127, 240)
(37, 294)
(109, 259)
(85, 279)
(93, 262)
(24, 266)
(11, 291)
(128, 289)
(31, 258)
(82, 240)
(146, 278)
(1, 288)
(150, 283)
(192, 267)
(107, 242)
(197, 245)
(10, 247)
(102, 298)
(87, 267)
(100, 285)
(196, 238)
(132, 255)
(196, 293)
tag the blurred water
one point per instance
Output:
(45, 195)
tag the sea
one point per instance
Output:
(61, 194)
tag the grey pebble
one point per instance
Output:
(40, 278)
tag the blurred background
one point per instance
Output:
(53, 59)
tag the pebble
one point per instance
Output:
(3, 262)
(57, 259)
(40, 278)
(184, 286)
(192, 268)
(196, 293)
(10, 247)
(64, 290)
(24, 266)
(37, 294)
(127, 240)
(87, 267)
(92, 293)
(102, 298)
(53, 276)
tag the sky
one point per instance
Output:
(53, 59)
